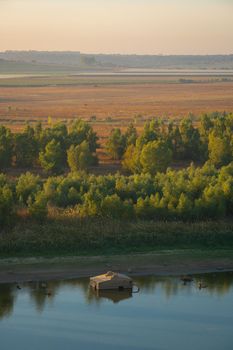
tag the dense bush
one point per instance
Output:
(153, 192)
(46, 147)
(80, 157)
(189, 194)
(6, 202)
(211, 138)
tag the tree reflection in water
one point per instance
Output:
(43, 293)
(7, 299)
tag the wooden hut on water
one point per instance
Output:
(111, 280)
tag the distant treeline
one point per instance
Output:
(159, 145)
(79, 60)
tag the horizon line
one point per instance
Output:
(118, 53)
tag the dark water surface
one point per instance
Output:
(165, 314)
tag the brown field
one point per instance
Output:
(114, 102)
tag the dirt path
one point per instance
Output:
(161, 263)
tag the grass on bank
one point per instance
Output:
(75, 237)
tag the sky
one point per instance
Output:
(118, 26)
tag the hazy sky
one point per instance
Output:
(118, 26)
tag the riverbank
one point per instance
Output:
(105, 236)
(164, 262)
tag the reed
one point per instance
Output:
(73, 236)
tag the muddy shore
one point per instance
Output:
(161, 263)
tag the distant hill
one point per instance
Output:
(43, 57)
(68, 61)
(7, 66)
(167, 62)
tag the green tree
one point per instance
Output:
(151, 132)
(206, 125)
(27, 186)
(131, 159)
(38, 207)
(112, 206)
(6, 146)
(25, 148)
(6, 205)
(57, 132)
(219, 150)
(116, 144)
(175, 142)
(155, 156)
(80, 157)
(184, 207)
(131, 135)
(51, 159)
(81, 131)
(191, 140)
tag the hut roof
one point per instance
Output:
(110, 276)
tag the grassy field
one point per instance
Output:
(110, 101)
(104, 236)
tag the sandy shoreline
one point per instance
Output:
(164, 263)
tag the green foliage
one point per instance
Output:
(113, 207)
(153, 192)
(191, 140)
(131, 159)
(190, 194)
(212, 139)
(116, 144)
(6, 147)
(38, 207)
(219, 150)
(6, 205)
(151, 132)
(51, 159)
(80, 157)
(38, 145)
(25, 148)
(27, 186)
(81, 131)
(155, 156)
(131, 135)
(57, 132)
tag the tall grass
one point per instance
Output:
(106, 236)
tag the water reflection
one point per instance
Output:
(7, 299)
(113, 296)
(44, 293)
(214, 283)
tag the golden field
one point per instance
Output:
(111, 101)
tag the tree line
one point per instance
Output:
(151, 191)
(162, 143)
(53, 148)
(193, 194)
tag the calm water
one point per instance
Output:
(165, 314)
(135, 72)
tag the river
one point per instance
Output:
(165, 314)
